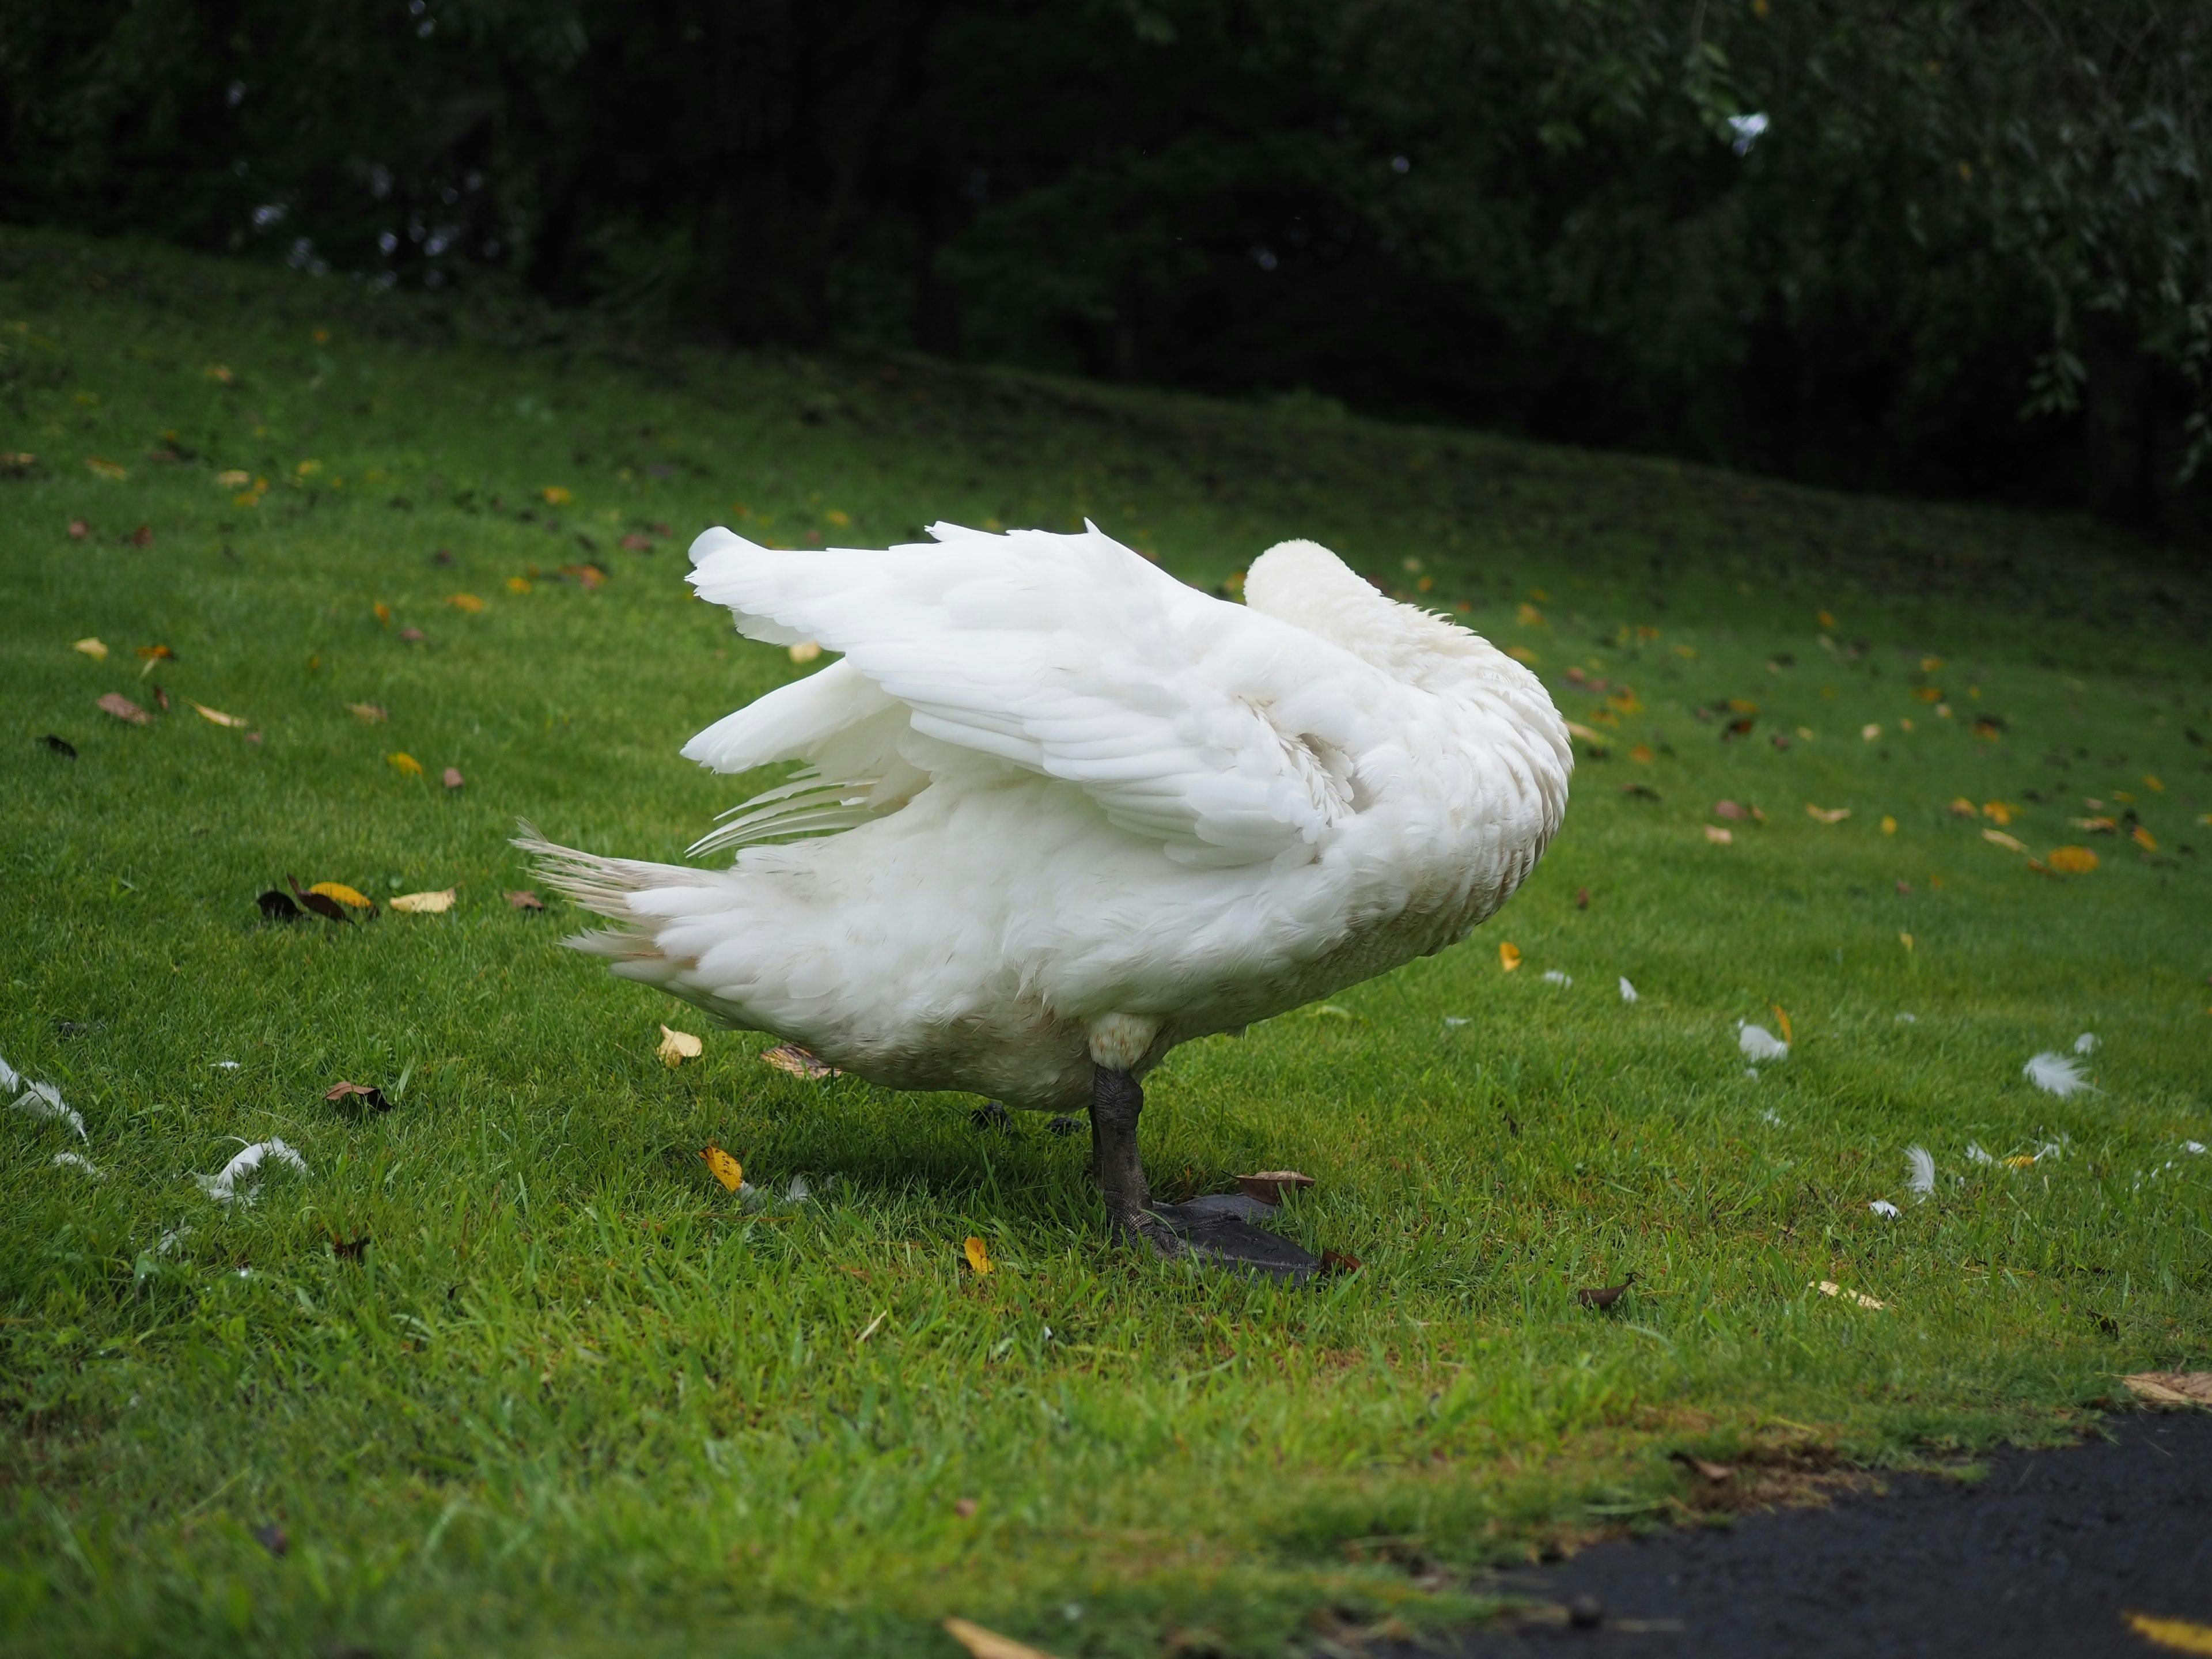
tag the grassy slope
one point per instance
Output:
(576, 1398)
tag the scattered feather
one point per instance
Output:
(1906, 1020)
(1627, 990)
(76, 1161)
(44, 1102)
(8, 1078)
(1759, 1043)
(799, 1192)
(676, 1046)
(1884, 1208)
(1922, 1165)
(2055, 1074)
(1772, 1117)
(224, 1186)
(225, 1065)
(2087, 1043)
(2195, 1148)
(1553, 976)
(1975, 1155)
(1453, 1022)
(176, 1236)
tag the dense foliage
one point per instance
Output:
(1946, 244)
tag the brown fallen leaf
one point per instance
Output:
(115, 703)
(1335, 1262)
(1730, 809)
(526, 899)
(78, 530)
(349, 1249)
(369, 711)
(278, 906)
(1606, 1296)
(965, 1508)
(321, 904)
(2172, 1391)
(161, 697)
(59, 745)
(634, 542)
(676, 1046)
(412, 635)
(726, 1168)
(790, 1057)
(352, 1095)
(425, 904)
(988, 1643)
(142, 536)
(452, 778)
(1269, 1186)
(1581, 898)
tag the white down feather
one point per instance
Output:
(1048, 788)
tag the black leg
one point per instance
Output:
(1216, 1230)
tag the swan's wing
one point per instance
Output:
(1219, 732)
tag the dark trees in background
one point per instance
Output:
(1949, 245)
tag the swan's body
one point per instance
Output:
(1085, 812)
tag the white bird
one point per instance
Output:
(1065, 812)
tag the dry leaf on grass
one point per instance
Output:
(1509, 956)
(1718, 836)
(790, 1057)
(1607, 1295)
(1829, 1287)
(1998, 838)
(526, 899)
(978, 1257)
(1716, 1472)
(467, 602)
(353, 1095)
(216, 714)
(452, 778)
(91, 648)
(988, 1643)
(676, 1046)
(1827, 814)
(726, 1169)
(369, 711)
(425, 904)
(278, 906)
(1333, 1262)
(1730, 809)
(2073, 860)
(344, 895)
(60, 745)
(115, 703)
(406, 763)
(1269, 1186)
(321, 904)
(2172, 1390)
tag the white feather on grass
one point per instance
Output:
(2055, 1074)
(1627, 990)
(1884, 1208)
(1759, 1043)
(2195, 1147)
(1553, 976)
(76, 1161)
(1922, 1165)
(9, 1080)
(44, 1102)
(2087, 1043)
(223, 1186)
(797, 1192)
(1975, 1155)
(1906, 1020)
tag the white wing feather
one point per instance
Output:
(1218, 731)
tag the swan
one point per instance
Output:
(1057, 812)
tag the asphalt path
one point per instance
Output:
(2048, 1554)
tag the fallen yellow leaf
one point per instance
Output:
(839, 518)
(217, 715)
(2175, 1635)
(1528, 616)
(2153, 785)
(1783, 1020)
(988, 1643)
(2073, 860)
(425, 904)
(1827, 814)
(978, 1257)
(1509, 955)
(468, 602)
(101, 468)
(727, 1169)
(2000, 810)
(1905, 939)
(92, 648)
(383, 614)
(1888, 825)
(1961, 808)
(218, 372)
(1641, 754)
(343, 894)
(406, 763)
(556, 496)
(518, 584)
(233, 479)
(1998, 838)
(1574, 730)
(2143, 838)
(1718, 836)
(676, 1046)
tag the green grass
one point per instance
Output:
(574, 1398)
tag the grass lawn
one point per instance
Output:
(572, 1396)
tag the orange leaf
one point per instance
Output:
(978, 1257)
(1783, 1020)
(2143, 838)
(468, 602)
(2073, 860)
(727, 1169)
(1509, 955)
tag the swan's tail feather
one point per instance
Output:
(603, 886)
